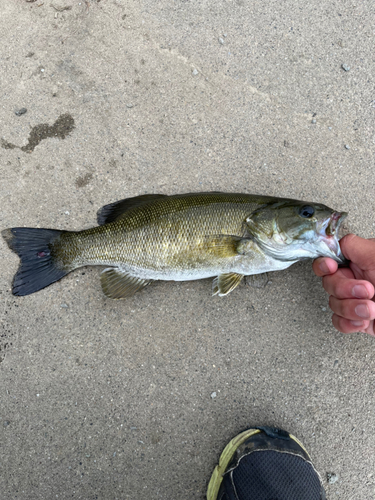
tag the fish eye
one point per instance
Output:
(306, 211)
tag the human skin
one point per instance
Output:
(351, 289)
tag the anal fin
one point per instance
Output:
(225, 283)
(117, 284)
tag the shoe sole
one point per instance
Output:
(227, 455)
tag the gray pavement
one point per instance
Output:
(104, 399)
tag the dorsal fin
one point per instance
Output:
(114, 211)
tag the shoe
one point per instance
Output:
(265, 464)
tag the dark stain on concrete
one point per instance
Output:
(112, 163)
(7, 145)
(83, 180)
(62, 127)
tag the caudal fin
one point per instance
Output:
(38, 268)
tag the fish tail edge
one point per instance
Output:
(38, 268)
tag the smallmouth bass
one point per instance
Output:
(178, 238)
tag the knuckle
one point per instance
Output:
(337, 323)
(327, 282)
(340, 307)
(333, 304)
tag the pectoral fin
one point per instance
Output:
(224, 245)
(225, 283)
(117, 284)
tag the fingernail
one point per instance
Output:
(357, 323)
(360, 292)
(362, 311)
(324, 268)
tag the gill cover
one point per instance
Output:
(292, 230)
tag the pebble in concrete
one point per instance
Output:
(332, 478)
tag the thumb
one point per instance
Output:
(359, 250)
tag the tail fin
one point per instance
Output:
(38, 268)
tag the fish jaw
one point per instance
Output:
(328, 231)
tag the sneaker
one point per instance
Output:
(265, 464)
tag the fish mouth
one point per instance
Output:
(328, 231)
(334, 223)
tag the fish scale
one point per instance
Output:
(164, 235)
(179, 237)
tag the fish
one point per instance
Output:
(225, 236)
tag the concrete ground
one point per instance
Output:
(106, 399)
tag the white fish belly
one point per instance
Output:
(241, 264)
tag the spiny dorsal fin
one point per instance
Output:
(114, 211)
(225, 283)
(117, 284)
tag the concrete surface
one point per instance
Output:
(112, 400)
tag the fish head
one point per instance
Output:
(292, 230)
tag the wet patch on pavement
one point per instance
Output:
(62, 127)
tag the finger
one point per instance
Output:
(342, 287)
(371, 329)
(353, 309)
(346, 326)
(359, 250)
(324, 265)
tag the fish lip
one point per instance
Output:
(328, 232)
(334, 223)
(329, 227)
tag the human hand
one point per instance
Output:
(351, 289)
